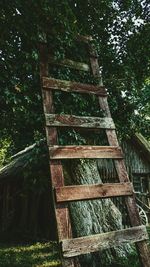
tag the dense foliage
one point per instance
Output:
(121, 31)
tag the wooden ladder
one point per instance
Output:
(62, 195)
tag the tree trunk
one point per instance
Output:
(92, 217)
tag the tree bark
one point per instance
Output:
(93, 217)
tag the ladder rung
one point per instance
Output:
(68, 63)
(72, 152)
(95, 191)
(88, 244)
(84, 38)
(76, 121)
(67, 86)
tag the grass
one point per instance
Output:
(35, 255)
(44, 255)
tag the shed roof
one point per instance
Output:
(136, 159)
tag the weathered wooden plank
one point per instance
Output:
(142, 247)
(72, 152)
(76, 121)
(95, 191)
(68, 63)
(99, 242)
(84, 38)
(67, 86)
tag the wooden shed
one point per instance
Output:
(25, 198)
(137, 158)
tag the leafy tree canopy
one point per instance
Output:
(122, 38)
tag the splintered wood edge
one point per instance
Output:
(64, 120)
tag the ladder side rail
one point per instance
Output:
(130, 201)
(56, 170)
